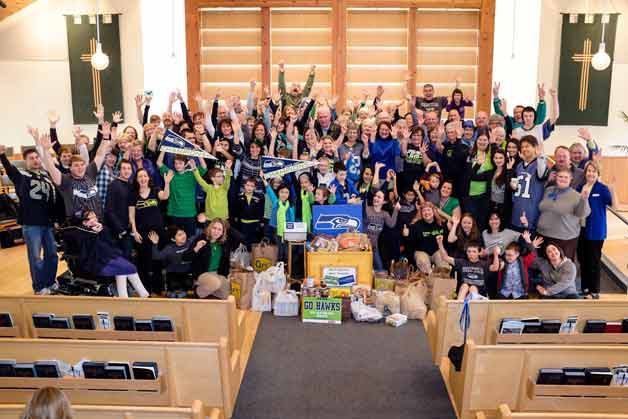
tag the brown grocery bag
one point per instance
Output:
(242, 284)
(440, 283)
(413, 300)
(263, 255)
(384, 282)
(401, 286)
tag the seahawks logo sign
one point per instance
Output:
(336, 219)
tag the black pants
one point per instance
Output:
(589, 256)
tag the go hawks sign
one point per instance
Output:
(322, 310)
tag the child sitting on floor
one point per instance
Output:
(178, 271)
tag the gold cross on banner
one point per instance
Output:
(96, 87)
(585, 59)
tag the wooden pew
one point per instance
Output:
(492, 375)
(187, 372)
(194, 320)
(504, 412)
(443, 330)
(196, 411)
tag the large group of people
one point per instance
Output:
(436, 188)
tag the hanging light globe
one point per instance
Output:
(601, 60)
(100, 60)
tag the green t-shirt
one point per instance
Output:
(451, 204)
(214, 259)
(182, 200)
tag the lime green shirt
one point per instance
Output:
(216, 198)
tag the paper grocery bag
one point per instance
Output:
(263, 256)
(242, 284)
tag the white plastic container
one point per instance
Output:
(286, 304)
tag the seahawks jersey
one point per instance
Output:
(529, 193)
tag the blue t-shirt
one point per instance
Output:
(343, 194)
(600, 196)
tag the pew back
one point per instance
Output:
(443, 330)
(492, 375)
(13, 411)
(187, 372)
(194, 320)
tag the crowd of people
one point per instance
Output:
(437, 188)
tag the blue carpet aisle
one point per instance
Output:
(351, 371)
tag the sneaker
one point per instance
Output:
(43, 291)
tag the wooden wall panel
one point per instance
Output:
(451, 37)
(487, 29)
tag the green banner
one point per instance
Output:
(322, 310)
(584, 92)
(89, 86)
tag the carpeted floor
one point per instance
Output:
(348, 371)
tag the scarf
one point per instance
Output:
(306, 208)
(282, 210)
(556, 193)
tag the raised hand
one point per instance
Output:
(455, 219)
(511, 163)
(139, 100)
(405, 232)
(397, 206)
(380, 91)
(44, 141)
(199, 245)
(179, 95)
(332, 189)
(523, 219)
(282, 65)
(537, 242)
(148, 99)
(192, 164)
(584, 133)
(106, 130)
(33, 132)
(496, 87)
(503, 106)
(172, 97)
(252, 84)
(229, 164)
(99, 113)
(439, 240)
(76, 131)
(553, 92)
(169, 176)
(53, 118)
(540, 88)
(116, 117)
(313, 68)
(526, 236)
(153, 237)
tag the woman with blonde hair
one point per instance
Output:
(209, 253)
(48, 403)
(594, 231)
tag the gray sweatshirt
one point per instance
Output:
(557, 280)
(561, 211)
(375, 221)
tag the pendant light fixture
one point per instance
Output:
(100, 60)
(601, 60)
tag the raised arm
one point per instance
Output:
(48, 161)
(310, 81)
(105, 145)
(165, 194)
(555, 111)
(443, 253)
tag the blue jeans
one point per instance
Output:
(43, 269)
(378, 265)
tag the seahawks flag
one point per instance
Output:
(89, 86)
(584, 92)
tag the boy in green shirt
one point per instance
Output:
(182, 200)
(216, 194)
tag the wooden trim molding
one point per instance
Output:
(411, 29)
(266, 50)
(485, 65)
(442, 4)
(339, 50)
(193, 50)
